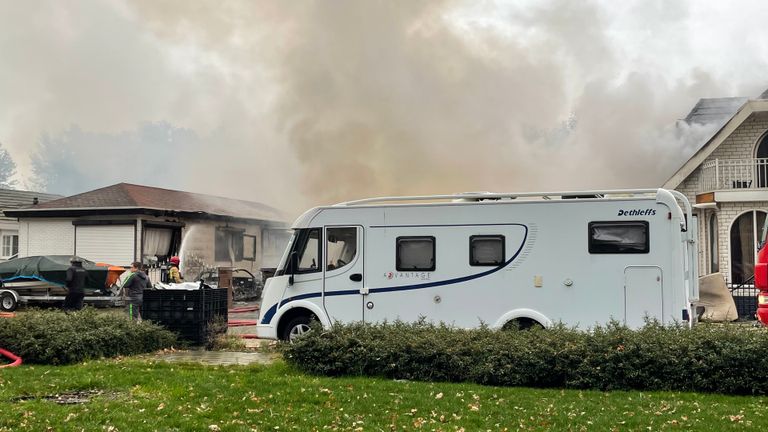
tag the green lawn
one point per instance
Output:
(139, 395)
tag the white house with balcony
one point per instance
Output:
(727, 178)
(9, 227)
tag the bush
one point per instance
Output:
(55, 337)
(227, 342)
(729, 359)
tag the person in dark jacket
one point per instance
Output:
(133, 289)
(75, 283)
(145, 269)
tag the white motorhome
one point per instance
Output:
(579, 258)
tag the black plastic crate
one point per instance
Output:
(186, 312)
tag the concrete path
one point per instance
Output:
(223, 358)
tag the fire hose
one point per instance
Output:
(15, 360)
(244, 322)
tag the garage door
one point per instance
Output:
(112, 244)
(46, 238)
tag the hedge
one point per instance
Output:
(731, 359)
(55, 337)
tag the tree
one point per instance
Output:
(74, 160)
(7, 170)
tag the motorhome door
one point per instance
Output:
(343, 273)
(642, 294)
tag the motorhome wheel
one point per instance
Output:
(8, 302)
(296, 327)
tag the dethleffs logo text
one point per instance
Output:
(637, 212)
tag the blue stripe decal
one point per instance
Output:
(269, 314)
(272, 310)
(11, 279)
(300, 297)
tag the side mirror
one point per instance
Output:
(760, 245)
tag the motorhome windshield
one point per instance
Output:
(284, 259)
(305, 245)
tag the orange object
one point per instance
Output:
(7, 315)
(113, 273)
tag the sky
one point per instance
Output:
(296, 104)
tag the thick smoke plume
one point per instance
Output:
(302, 103)
(379, 98)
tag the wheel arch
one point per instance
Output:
(298, 308)
(523, 313)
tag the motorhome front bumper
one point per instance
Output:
(266, 331)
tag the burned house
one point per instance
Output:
(125, 222)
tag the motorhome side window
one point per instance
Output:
(341, 248)
(415, 253)
(620, 237)
(308, 250)
(486, 250)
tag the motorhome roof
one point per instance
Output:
(488, 196)
(671, 197)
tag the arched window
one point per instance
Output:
(714, 248)
(745, 233)
(761, 162)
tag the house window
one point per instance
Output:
(761, 162)
(744, 233)
(415, 253)
(618, 237)
(486, 250)
(229, 245)
(249, 248)
(157, 242)
(714, 249)
(10, 245)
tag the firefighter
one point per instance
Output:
(75, 283)
(174, 275)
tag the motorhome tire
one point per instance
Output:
(296, 327)
(8, 302)
(522, 324)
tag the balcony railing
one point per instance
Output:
(728, 174)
